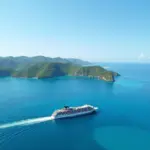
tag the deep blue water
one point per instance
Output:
(122, 123)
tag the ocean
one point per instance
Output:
(122, 122)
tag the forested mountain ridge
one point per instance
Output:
(43, 67)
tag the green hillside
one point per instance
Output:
(90, 71)
(55, 69)
(14, 62)
(46, 70)
(49, 70)
(97, 72)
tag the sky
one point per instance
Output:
(94, 30)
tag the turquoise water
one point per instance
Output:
(122, 123)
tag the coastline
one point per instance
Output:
(79, 77)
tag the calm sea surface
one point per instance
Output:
(122, 123)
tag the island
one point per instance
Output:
(97, 72)
(48, 69)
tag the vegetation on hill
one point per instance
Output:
(97, 72)
(49, 70)
(44, 67)
(14, 62)
(46, 70)
(90, 71)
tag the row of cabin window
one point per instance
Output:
(74, 111)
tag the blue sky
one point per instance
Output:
(95, 30)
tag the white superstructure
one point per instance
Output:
(73, 111)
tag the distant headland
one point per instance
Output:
(45, 67)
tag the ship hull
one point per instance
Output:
(76, 114)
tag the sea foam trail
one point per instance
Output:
(26, 122)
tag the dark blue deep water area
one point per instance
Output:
(121, 123)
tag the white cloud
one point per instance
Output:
(141, 56)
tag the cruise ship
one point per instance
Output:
(67, 111)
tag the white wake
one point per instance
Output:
(26, 122)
